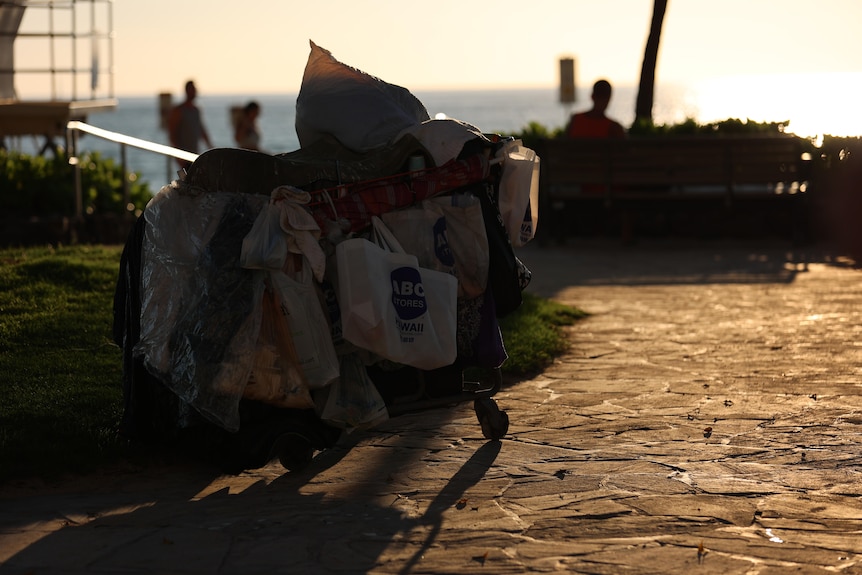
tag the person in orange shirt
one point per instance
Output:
(594, 123)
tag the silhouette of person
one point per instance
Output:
(185, 125)
(246, 133)
(594, 123)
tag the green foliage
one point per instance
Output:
(60, 389)
(689, 127)
(534, 131)
(533, 334)
(42, 186)
(34, 184)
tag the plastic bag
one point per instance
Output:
(276, 375)
(200, 310)
(444, 138)
(393, 307)
(446, 234)
(519, 192)
(360, 111)
(353, 401)
(480, 342)
(283, 226)
(308, 325)
(505, 271)
(265, 247)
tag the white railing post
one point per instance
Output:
(76, 126)
(127, 196)
(76, 170)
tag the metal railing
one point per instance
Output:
(74, 127)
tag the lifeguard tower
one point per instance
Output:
(56, 65)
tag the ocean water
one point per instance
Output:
(493, 111)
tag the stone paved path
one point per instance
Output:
(706, 420)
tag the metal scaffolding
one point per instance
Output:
(63, 52)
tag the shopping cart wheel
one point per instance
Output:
(494, 421)
(294, 451)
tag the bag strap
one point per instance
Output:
(383, 237)
(301, 277)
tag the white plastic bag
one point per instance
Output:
(276, 375)
(283, 226)
(264, 247)
(393, 307)
(519, 192)
(309, 326)
(443, 138)
(446, 234)
(353, 401)
(361, 111)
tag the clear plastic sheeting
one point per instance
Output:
(200, 310)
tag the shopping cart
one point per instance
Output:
(349, 188)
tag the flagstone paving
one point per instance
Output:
(706, 419)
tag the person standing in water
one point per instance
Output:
(246, 134)
(186, 127)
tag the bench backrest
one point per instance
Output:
(672, 161)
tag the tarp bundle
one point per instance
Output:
(365, 112)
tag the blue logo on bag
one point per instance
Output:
(408, 295)
(441, 243)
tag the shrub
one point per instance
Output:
(689, 127)
(535, 131)
(42, 186)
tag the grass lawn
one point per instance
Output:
(61, 373)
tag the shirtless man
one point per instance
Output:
(186, 127)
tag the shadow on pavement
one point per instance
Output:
(668, 263)
(473, 470)
(340, 513)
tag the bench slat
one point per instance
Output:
(683, 171)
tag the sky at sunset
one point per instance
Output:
(261, 46)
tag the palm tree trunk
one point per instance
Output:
(646, 90)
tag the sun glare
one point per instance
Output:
(812, 104)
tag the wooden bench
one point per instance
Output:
(733, 182)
